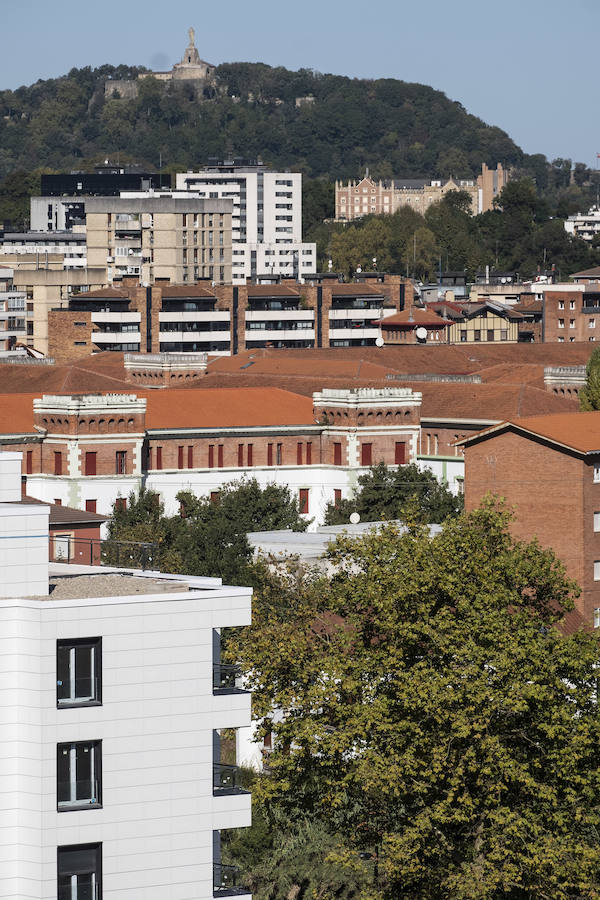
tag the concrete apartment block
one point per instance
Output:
(112, 697)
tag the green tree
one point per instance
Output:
(435, 715)
(207, 538)
(383, 493)
(589, 395)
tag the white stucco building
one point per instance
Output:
(112, 783)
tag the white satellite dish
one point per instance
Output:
(421, 333)
(354, 518)
(379, 342)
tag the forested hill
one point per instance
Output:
(394, 127)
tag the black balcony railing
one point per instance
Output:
(226, 881)
(226, 780)
(92, 552)
(226, 679)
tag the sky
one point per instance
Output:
(527, 66)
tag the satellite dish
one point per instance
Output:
(421, 333)
(354, 518)
(379, 342)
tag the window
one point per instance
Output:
(250, 450)
(490, 334)
(309, 453)
(337, 454)
(159, 457)
(571, 323)
(597, 570)
(400, 453)
(240, 458)
(61, 546)
(121, 503)
(78, 672)
(337, 497)
(463, 334)
(504, 334)
(180, 457)
(279, 458)
(90, 463)
(303, 501)
(29, 462)
(477, 334)
(591, 323)
(215, 496)
(561, 323)
(121, 462)
(366, 454)
(58, 462)
(211, 456)
(80, 872)
(571, 304)
(561, 304)
(596, 472)
(90, 505)
(220, 456)
(78, 776)
(57, 501)
(270, 455)
(597, 618)
(299, 453)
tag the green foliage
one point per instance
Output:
(435, 717)
(392, 126)
(208, 538)
(383, 494)
(589, 395)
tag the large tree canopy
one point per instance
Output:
(435, 715)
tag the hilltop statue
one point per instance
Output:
(192, 35)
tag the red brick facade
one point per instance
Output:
(554, 496)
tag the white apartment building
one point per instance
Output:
(113, 698)
(584, 225)
(266, 220)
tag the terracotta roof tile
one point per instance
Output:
(103, 294)
(356, 290)
(226, 408)
(187, 290)
(414, 316)
(273, 290)
(578, 431)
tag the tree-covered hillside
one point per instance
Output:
(395, 128)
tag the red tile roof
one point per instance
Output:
(413, 318)
(102, 294)
(578, 431)
(226, 408)
(187, 290)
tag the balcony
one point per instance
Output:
(226, 780)
(227, 679)
(116, 316)
(226, 882)
(205, 315)
(283, 315)
(128, 226)
(112, 337)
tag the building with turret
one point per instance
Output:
(190, 68)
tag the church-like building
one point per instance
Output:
(191, 68)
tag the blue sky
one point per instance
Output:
(528, 66)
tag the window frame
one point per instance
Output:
(73, 701)
(95, 748)
(96, 872)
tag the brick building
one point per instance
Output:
(548, 469)
(367, 197)
(88, 450)
(224, 319)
